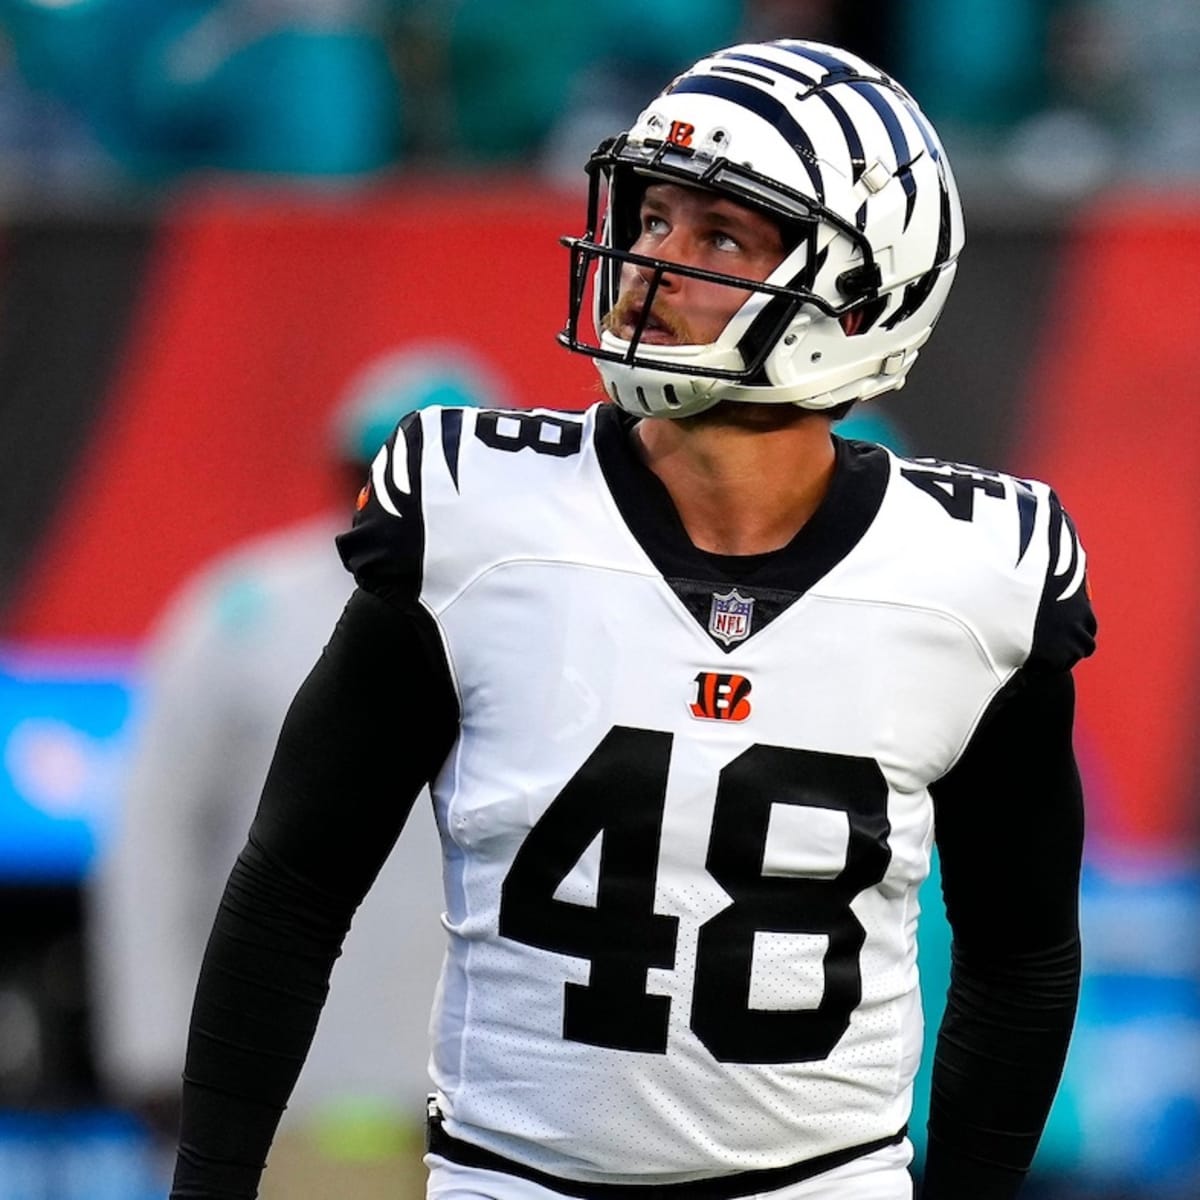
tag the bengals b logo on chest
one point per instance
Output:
(721, 697)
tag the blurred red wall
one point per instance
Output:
(253, 312)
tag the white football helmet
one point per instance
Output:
(841, 156)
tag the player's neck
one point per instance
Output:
(742, 482)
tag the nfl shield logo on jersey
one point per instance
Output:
(729, 617)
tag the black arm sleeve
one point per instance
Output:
(1009, 822)
(370, 726)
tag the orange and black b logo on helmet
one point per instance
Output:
(721, 697)
(681, 133)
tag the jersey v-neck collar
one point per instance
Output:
(759, 586)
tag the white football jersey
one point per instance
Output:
(687, 814)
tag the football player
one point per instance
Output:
(696, 684)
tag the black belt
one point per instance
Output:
(722, 1187)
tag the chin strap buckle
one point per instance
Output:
(861, 282)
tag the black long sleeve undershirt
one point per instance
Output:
(331, 809)
(1009, 821)
(1009, 827)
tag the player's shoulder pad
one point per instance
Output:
(1024, 525)
(440, 458)
(385, 545)
(1065, 630)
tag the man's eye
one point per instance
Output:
(653, 224)
(723, 241)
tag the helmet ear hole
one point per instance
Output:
(862, 319)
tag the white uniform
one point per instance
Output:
(686, 817)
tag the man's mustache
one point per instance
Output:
(628, 311)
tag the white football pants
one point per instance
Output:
(879, 1176)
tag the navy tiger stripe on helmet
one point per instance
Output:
(841, 156)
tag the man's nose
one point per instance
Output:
(668, 281)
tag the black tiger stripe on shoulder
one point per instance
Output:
(452, 423)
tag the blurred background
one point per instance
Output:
(239, 237)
